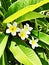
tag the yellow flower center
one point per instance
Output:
(22, 34)
(26, 29)
(33, 42)
(12, 29)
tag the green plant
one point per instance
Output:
(24, 20)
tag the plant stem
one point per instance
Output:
(28, 39)
(36, 24)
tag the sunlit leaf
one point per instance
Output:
(29, 16)
(3, 42)
(3, 59)
(24, 11)
(42, 36)
(19, 4)
(23, 53)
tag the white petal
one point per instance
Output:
(13, 34)
(30, 41)
(33, 47)
(18, 30)
(15, 24)
(32, 38)
(27, 25)
(24, 26)
(42, 12)
(28, 32)
(22, 30)
(47, 14)
(8, 25)
(26, 36)
(30, 28)
(7, 31)
(36, 45)
(18, 34)
(36, 40)
(23, 38)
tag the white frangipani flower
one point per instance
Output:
(42, 12)
(34, 43)
(27, 28)
(12, 28)
(23, 34)
(47, 14)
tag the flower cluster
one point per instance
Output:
(22, 33)
(25, 31)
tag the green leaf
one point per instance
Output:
(23, 53)
(29, 16)
(5, 4)
(24, 11)
(43, 45)
(2, 10)
(42, 56)
(1, 14)
(42, 22)
(3, 42)
(44, 7)
(19, 4)
(3, 59)
(42, 36)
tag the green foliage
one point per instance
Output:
(23, 56)
(5, 4)
(3, 59)
(29, 16)
(15, 50)
(24, 11)
(42, 56)
(16, 6)
(42, 36)
(3, 42)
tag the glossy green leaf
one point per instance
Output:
(5, 4)
(29, 16)
(2, 10)
(3, 42)
(44, 59)
(43, 45)
(42, 56)
(3, 59)
(42, 36)
(44, 7)
(1, 14)
(23, 53)
(19, 4)
(24, 11)
(42, 22)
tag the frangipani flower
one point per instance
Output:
(33, 43)
(42, 12)
(23, 34)
(12, 28)
(27, 28)
(47, 14)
